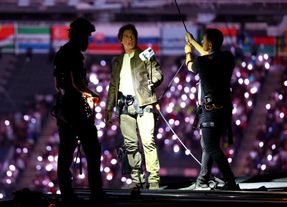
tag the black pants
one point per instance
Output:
(76, 125)
(215, 127)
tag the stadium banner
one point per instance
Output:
(59, 35)
(36, 38)
(7, 38)
(165, 38)
(230, 32)
(257, 41)
(282, 44)
(105, 42)
(173, 38)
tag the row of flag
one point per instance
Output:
(165, 39)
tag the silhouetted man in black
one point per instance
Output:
(74, 110)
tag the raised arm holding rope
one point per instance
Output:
(214, 68)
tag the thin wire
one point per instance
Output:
(189, 152)
(179, 138)
(180, 15)
(171, 82)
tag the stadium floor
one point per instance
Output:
(262, 194)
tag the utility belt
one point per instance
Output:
(129, 105)
(205, 108)
(208, 105)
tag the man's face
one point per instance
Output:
(84, 41)
(206, 44)
(129, 41)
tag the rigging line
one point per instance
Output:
(189, 151)
(171, 82)
(180, 15)
(179, 138)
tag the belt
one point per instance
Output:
(209, 107)
(148, 109)
(128, 99)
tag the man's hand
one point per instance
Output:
(157, 106)
(86, 95)
(89, 99)
(92, 100)
(192, 42)
(188, 37)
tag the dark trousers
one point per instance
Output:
(211, 150)
(87, 134)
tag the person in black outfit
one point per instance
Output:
(74, 110)
(215, 68)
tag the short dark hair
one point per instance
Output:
(81, 25)
(127, 27)
(215, 36)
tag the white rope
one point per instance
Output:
(189, 152)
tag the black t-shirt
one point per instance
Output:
(71, 76)
(215, 71)
(69, 60)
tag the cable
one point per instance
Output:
(216, 178)
(170, 82)
(180, 15)
(179, 138)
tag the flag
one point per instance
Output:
(59, 35)
(35, 37)
(7, 37)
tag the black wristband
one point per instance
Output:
(190, 61)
